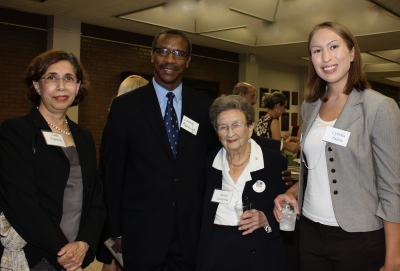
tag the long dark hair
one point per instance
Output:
(316, 87)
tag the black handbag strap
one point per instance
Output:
(34, 138)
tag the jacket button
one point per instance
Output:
(253, 251)
(335, 192)
(176, 180)
(331, 159)
(334, 181)
(246, 198)
(173, 205)
(333, 170)
(329, 149)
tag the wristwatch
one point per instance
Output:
(268, 229)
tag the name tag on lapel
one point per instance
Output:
(189, 125)
(222, 196)
(54, 139)
(336, 136)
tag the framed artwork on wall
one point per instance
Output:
(274, 90)
(295, 98)
(262, 91)
(287, 95)
(285, 122)
(294, 119)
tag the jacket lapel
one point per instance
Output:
(81, 147)
(151, 110)
(312, 112)
(40, 124)
(187, 110)
(351, 111)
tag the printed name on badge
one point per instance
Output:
(54, 139)
(336, 136)
(222, 196)
(189, 125)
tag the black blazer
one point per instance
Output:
(274, 163)
(32, 187)
(146, 185)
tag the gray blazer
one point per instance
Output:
(364, 177)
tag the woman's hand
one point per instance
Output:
(288, 197)
(293, 139)
(71, 256)
(252, 220)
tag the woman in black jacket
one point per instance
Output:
(49, 188)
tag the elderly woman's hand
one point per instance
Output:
(71, 255)
(252, 220)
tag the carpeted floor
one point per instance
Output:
(95, 266)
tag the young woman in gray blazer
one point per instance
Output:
(349, 193)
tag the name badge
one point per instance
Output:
(259, 186)
(54, 139)
(222, 196)
(189, 125)
(336, 136)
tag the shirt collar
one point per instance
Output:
(162, 92)
(256, 161)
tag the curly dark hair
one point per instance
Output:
(39, 65)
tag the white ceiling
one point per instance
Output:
(274, 30)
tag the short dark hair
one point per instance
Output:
(356, 78)
(173, 32)
(270, 100)
(39, 65)
(230, 102)
(240, 89)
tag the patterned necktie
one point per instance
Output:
(171, 124)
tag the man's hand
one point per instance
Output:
(287, 177)
(118, 243)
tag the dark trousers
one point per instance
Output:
(175, 260)
(330, 248)
(229, 250)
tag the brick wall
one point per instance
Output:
(104, 61)
(24, 35)
(18, 46)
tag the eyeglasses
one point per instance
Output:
(53, 80)
(236, 127)
(164, 52)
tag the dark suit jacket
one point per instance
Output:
(146, 185)
(32, 187)
(274, 163)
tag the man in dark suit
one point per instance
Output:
(156, 145)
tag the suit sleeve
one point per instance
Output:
(18, 191)
(116, 148)
(268, 143)
(386, 156)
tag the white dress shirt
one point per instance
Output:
(226, 214)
